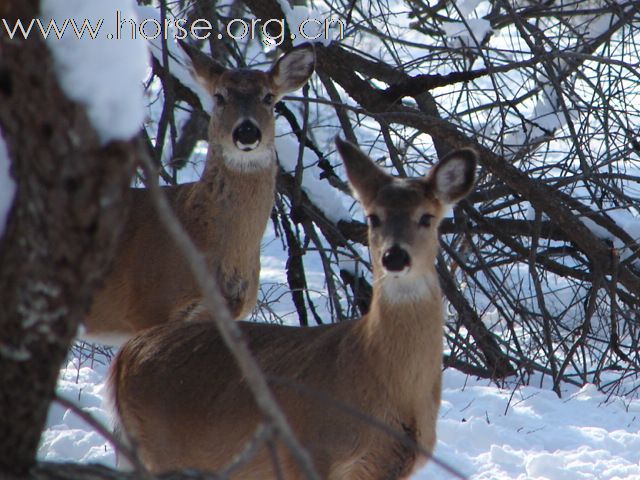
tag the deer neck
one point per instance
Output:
(403, 331)
(233, 206)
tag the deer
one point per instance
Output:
(225, 212)
(179, 396)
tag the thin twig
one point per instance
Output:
(260, 437)
(121, 448)
(229, 330)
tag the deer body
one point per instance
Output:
(225, 212)
(179, 394)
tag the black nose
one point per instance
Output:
(395, 259)
(247, 134)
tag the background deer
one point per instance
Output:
(178, 393)
(225, 212)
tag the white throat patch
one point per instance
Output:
(406, 288)
(252, 160)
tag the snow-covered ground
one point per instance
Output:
(484, 432)
(529, 433)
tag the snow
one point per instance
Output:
(7, 185)
(583, 435)
(104, 74)
(311, 21)
(67, 436)
(467, 7)
(624, 219)
(319, 191)
(545, 119)
(470, 32)
(484, 432)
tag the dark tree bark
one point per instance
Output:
(60, 235)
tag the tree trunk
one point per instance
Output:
(60, 234)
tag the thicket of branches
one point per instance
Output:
(539, 266)
(539, 275)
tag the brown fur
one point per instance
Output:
(225, 212)
(179, 393)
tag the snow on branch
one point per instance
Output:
(103, 67)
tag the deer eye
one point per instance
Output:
(374, 220)
(220, 100)
(425, 220)
(269, 98)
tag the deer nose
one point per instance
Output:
(396, 259)
(247, 136)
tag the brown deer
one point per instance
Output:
(178, 392)
(225, 212)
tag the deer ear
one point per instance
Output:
(454, 175)
(365, 177)
(293, 69)
(203, 68)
